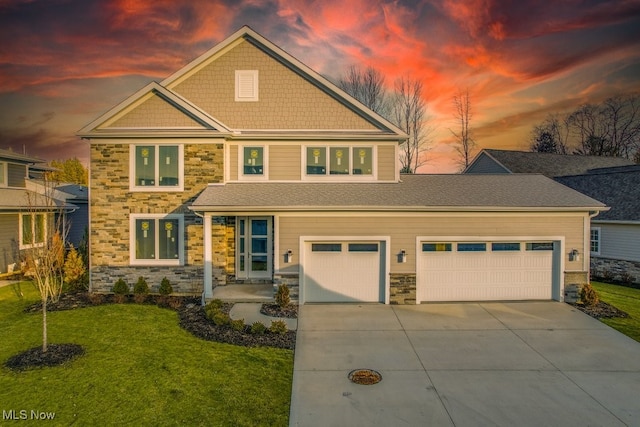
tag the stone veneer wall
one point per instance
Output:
(573, 283)
(112, 203)
(402, 288)
(602, 267)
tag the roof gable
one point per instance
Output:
(152, 108)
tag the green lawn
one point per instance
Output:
(140, 368)
(625, 299)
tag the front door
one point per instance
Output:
(254, 254)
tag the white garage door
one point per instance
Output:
(485, 271)
(343, 272)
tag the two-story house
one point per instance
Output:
(246, 166)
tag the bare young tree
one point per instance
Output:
(367, 86)
(409, 114)
(43, 232)
(465, 143)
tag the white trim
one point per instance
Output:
(328, 177)
(599, 230)
(21, 244)
(306, 239)
(132, 240)
(4, 175)
(208, 255)
(246, 86)
(155, 188)
(247, 246)
(265, 163)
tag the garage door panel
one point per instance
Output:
(351, 275)
(500, 274)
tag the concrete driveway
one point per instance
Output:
(506, 364)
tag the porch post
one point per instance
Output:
(208, 256)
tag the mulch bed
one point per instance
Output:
(289, 311)
(56, 355)
(602, 310)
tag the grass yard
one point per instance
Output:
(625, 299)
(139, 368)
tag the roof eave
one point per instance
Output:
(224, 209)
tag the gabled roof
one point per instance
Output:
(21, 200)
(165, 89)
(420, 193)
(100, 126)
(619, 188)
(548, 164)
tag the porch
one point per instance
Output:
(244, 293)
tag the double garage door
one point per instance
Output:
(354, 271)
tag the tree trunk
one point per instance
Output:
(44, 325)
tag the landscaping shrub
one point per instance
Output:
(76, 277)
(212, 308)
(237, 325)
(626, 278)
(589, 296)
(175, 303)
(282, 296)
(608, 276)
(278, 327)
(121, 290)
(257, 328)
(96, 299)
(140, 290)
(165, 287)
(221, 319)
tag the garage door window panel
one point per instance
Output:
(540, 246)
(505, 247)
(363, 247)
(436, 247)
(326, 247)
(472, 247)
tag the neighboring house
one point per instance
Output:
(615, 234)
(78, 219)
(26, 210)
(246, 166)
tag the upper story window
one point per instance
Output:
(246, 85)
(339, 160)
(157, 239)
(33, 230)
(3, 174)
(157, 167)
(253, 160)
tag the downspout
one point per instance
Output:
(587, 244)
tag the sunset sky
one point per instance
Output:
(65, 62)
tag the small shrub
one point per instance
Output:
(175, 303)
(217, 303)
(221, 319)
(278, 327)
(237, 325)
(75, 272)
(165, 287)
(282, 296)
(589, 296)
(626, 278)
(96, 299)
(608, 275)
(140, 290)
(121, 290)
(212, 308)
(257, 328)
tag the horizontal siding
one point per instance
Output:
(403, 231)
(16, 175)
(9, 225)
(284, 162)
(233, 163)
(484, 164)
(620, 241)
(387, 163)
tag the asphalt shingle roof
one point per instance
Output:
(619, 189)
(414, 192)
(553, 165)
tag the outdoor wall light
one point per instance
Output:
(402, 257)
(288, 256)
(574, 255)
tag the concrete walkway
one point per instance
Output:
(505, 364)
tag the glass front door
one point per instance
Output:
(254, 248)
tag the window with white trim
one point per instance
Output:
(157, 239)
(253, 160)
(246, 86)
(157, 167)
(33, 230)
(595, 241)
(343, 160)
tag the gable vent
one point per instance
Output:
(246, 85)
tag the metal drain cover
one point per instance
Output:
(365, 376)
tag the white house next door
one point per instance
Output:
(254, 247)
